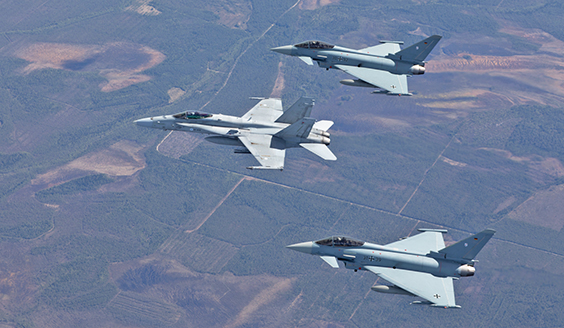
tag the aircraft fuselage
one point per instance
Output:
(328, 58)
(358, 257)
(230, 127)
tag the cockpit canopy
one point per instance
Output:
(339, 242)
(314, 45)
(192, 115)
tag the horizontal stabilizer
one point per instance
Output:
(331, 260)
(320, 150)
(418, 52)
(468, 248)
(323, 125)
(300, 109)
(306, 60)
(300, 129)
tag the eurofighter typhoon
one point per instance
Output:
(417, 266)
(265, 131)
(384, 66)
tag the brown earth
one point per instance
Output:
(452, 162)
(175, 94)
(314, 4)
(233, 14)
(545, 208)
(541, 72)
(112, 60)
(121, 159)
(18, 287)
(142, 7)
(278, 84)
(177, 144)
(241, 297)
(550, 165)
(549, 43)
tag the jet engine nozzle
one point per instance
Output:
(465, 270)
(325, 134)
(325, 141)
(417, 70)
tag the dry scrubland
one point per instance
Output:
(105, 224)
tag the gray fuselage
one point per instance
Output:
(225, 129)
(356, 257)
(328, 58)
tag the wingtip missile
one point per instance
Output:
(265, 168)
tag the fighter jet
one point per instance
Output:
(265, 131)
(417, 266)
(384, 66)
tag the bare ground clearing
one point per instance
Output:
(233, 14)
(119, 62)
(203, 297)
(315, 4)
(178, 144)
(121, 159)
(550, 165)
(540, 72)
(278, 84)
(545, 208)
(175, 94)
(142, 7)
(549, 43)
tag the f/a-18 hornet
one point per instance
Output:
(265, 131)
(384, 66)
(417, 266)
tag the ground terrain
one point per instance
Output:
(106, 224)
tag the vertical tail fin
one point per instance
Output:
(299, 110)
(417, 53)
(300, 129)
(468, 248)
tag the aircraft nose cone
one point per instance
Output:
(286, 50)
(146, 122)
(304, 247)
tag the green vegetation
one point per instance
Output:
(540, 131)
(79, 284)
(87, 183)
(27, 230)
(136, 251)
(9, 162)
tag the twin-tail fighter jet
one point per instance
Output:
(265, 131)
(417, 266)
(384, 66)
